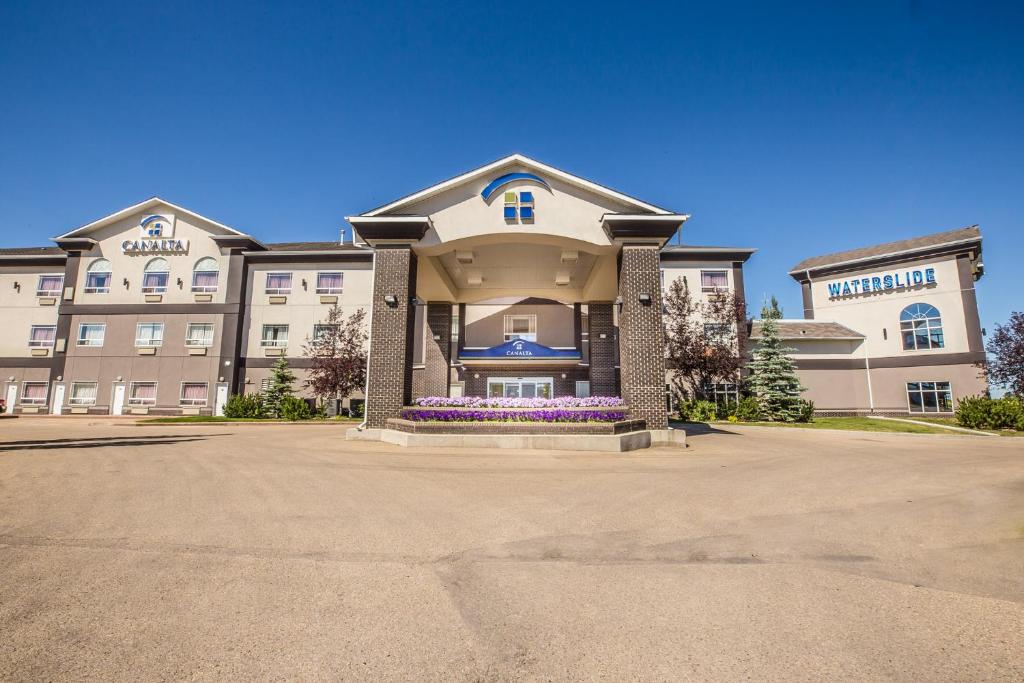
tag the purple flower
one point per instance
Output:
(478, 402)
(504, 415)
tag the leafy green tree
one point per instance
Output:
(771, 309)
(282, 380)
(1005, 366)
(773, 379)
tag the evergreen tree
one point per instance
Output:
(773, 378)
(281, 380)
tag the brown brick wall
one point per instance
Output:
(602, 350)
(642, 336)
(437, 349)
(477, 386)
(391, 347)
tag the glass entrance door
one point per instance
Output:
(520, 387)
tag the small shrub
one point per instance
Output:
(725, 409)
(697, 411)
(356, 408)
(806, 411)
(748, 410)
(245, 405)
(981, 412)
(294, 408)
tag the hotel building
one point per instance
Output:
(514, 279)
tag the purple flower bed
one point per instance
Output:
(499, 415)
(477, 402)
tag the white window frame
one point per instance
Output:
(49, 292)
(151, 342)
(72, 401)
(132, 401)
(42, 345)
(712, 289)
(189, 340)
(90, 270)
(195, 270)
(80, 339)
(330, 290)
(505, 381)
(274, 343)
(146, 271)
(580, 383)
(509, 335)
(188, 403)
(34, 401)
(278, 290)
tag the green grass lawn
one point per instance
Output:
(862, 424)
(952, 422)
(213, 418)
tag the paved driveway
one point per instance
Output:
(257, 552)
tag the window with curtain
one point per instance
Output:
(155, 276)
(193, 393)
(50, 285)
(98, 277)
(328, 283)
(149, 334)
(204, 275)
(930, 397)
(34, 393)
(42, 336)
(921, 326)
(142, 394)
(83, 393)
(714, 280)
(275, 335)
(279, 283)
(199, 334)
(521, 327)
(91, 334)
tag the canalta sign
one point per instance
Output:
(170, 246)
(885, 282)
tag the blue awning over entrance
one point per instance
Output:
(520, 349)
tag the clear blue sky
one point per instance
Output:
(797, 129)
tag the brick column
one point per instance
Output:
(642, 335)
(437, 349)
(389, 371)
(602, 348)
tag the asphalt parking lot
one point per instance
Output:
(262, 552)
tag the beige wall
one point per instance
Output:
(690, 272)
(303, 308)
(889, 385)
(21, 309)
(485, 324)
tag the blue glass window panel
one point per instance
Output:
(526, 197)
(510, 212)
(526, 212)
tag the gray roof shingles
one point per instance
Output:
(31, 251)
(878, 250)
(808, 329)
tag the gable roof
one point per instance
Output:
(898, 248)
(31, 251)
(142, 206)
(807, 329)
(398, 204)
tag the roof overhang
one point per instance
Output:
(33, 259)
(690, 253)
(238, 242)
(642, 228)
(384, 230)
(944, 248)
(75, 243)
(142, 206)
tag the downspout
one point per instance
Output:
(369, 349)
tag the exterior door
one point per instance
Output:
(58, 400)
(222, 399)
(12, 396)
(117, 406)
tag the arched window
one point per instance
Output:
(921, 325)
(204, 275)
(98, 277)
(154, 279)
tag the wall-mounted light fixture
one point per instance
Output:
(391, 300)
(618, 303)
(17, 286)
(644, 298)
(304, 285)
(125, 283)
(180, 283)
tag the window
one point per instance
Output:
(149, 334)
(320, 330)
(714, 280)
(582, 389)
(50, 285)
(328, 283)
(154, 278)
(83, 393)
(34, 393)
(199, 334)
(521, 327)
(279, 283)
(520, 387)
(204, 275)
(91, 334)
(717, 330)
(275, 335)
(193, 393)
(921, 326)
(929, 397)
(98, 277)
(42, 336)
(142, 394)
(722, 392)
